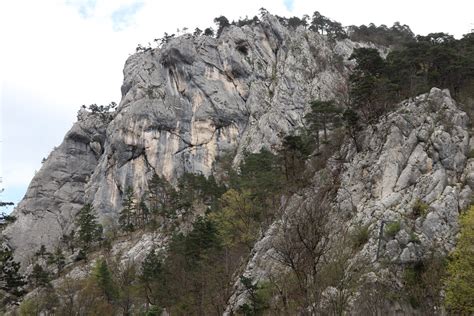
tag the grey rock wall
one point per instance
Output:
(57, 190)
(416, 154)
(183, 106)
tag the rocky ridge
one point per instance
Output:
(416, 155)
(196, 99)
(183, 106)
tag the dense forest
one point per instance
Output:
(211, 224)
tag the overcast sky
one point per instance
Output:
(58, 55)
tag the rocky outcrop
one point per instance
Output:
(412, 172)
(57, 190)
(183, 106)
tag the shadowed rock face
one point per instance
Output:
(57, 191)
(183, 105)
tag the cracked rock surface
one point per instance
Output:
(183, 106)
(416, 155)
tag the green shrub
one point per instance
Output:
(360, 236)
(414, 238)
(259, 297)
(420, 208)
(460, 282)
(391, 229)
(471, 154)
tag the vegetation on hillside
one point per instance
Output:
(212, 223)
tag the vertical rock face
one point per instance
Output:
(412, 172)
(183, 106)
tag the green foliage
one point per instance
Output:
(57, 259)
(392, 228)
(420, 208)
(209, 32)
(104, 281)
(41, 253)
(11, 281)
(198, 187)
(261, 174)
(370, 89)
(259, 296)
(127, 216)
(222, 23)
(154, 278)
(237, 219)
(201, 241)
(154, 311)
(471, 154)
(39, 276)
(295, 21)
(45, 300)
(152, 266)
(422, 282)
(89, 230)
(322, 115)
(4, 218)
(435, 60)
(163, 199)
(460, 281)
(322, 24)
(396, 35)
(294, 152)
(360, 236)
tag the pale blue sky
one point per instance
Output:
(59, 54)
(124, 15)
(289, 4)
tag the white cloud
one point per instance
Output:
(57, 55)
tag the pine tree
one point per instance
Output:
(39, 276)
(294, 151)
(57, 259)
(42, 253)
(163, 197)
(11, 280)
(153, 278)
(89, 230)
(127, 216)
(104, 280)
(222, 22)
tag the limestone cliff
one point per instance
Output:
(183, 105)
(197, 98)
(417, 155)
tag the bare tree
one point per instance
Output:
(302, 245)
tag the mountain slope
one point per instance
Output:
(183, 106)
(360, 226)
(414, 156)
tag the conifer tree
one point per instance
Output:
(104, 280)
(89, 230)
(39, 276)
(57, 259)
(11, 280)
(127, 217)
(294, 151)
(322, 114)
(153, 278)
(162, 196)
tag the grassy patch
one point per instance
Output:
(392, 229)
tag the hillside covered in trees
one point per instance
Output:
(269, 166)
